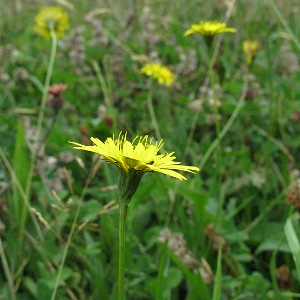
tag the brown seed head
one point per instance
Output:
(295, 117)
(57, 89)
(84, 129)
(250, 94)
(293, 194)
(108, 120)
(215, 238)
(2, 203)
(283, 276)
(55, 102)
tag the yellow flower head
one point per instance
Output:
(162, 74)
(51, 18)
(250, 48)
(209, 28)
(140, 155)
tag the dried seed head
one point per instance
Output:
(6, 80)
(290, 61)
(250, 94)
(283, 276)
(101, 111)
(149, 37)
(2, 203)
(75, 45)
(293, 194)
(109, 121)
(56, 102)
(2, 227)
(21, 74)
(66, 157)
(84, 129)
(57, 89)
(187, 61)
(99, 36)
(178, 245)
(211, 119)
(216, 239)
(295, 117)
(176, 242)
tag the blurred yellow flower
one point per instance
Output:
(250, 48)
(209, 28)
(139, 156)
(51, 18)
(162, 74)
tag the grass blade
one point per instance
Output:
(293, 241)
(218, 278)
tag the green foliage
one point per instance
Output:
(21, 164)
(239, 122)
(292, 232)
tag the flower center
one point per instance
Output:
(131, 162)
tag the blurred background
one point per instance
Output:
(233, 109)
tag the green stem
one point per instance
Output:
(40, 120)
(122, 231)
(70, 236)
(226, 127)
(7, 272)
(284, 23)
(108, 99)
(34, 155)
(212, 80)
(37, 140)
(66, 249)
(152, 115)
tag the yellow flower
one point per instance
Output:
(159, 72)
(209, 28)
(140, 155)
(250, 48)
(51, 18)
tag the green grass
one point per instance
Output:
(58, 207)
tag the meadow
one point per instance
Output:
(222, 99)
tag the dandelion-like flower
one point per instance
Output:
(51, 18)
(250, 48)
(209, 28)
(135, 158)
(140, 155)
(162, 74)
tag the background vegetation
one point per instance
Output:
(238, 122)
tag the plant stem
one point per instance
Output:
(37, 142)
(71, 233)
(284, 23)
(122, 231)
(108, 98)
(7, 272)
(35, 151)
(42, 109)
(226, 127)
(152, 114)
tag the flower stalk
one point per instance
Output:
(128, 183)
(152, 113)
(133, 160)
(42, 110)
(123, 206)
(38, 141)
